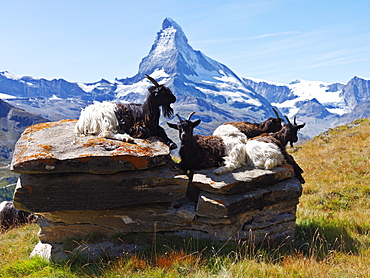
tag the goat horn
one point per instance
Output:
(276, 113)
(178, 116)
(287, 119)
(152, 80)
(295, 123)
(192, 113)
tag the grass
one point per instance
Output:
(7, 181)
(332, 236)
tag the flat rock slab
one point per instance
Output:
(163, 217)
(83, 191)
(240, 180)
(223, 206)
(58, 225)
(54, 147)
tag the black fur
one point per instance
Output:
(142, 120)
(254, 129)
(197, 151)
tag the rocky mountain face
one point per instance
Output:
(320, 105)
(28, 87)
(13, 121)
(356, 92)
(200, 84)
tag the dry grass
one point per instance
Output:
(332, 238)
(337, 170)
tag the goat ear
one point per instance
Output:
(171, 125)
(196, 123)
(301, 126)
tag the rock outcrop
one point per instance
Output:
(89, 185)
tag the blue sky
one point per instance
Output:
(275, 40)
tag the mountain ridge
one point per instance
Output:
(200, 84)
(13, 121)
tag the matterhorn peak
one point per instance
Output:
(171, 34)
(172, 54)
(169, 22)
(195, 77)
(170, 41)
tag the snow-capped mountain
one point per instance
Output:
(321, 105)
(200, 84)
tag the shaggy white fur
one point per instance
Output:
(263, 155)
(235, 154)
(241, 151)
(234, 141)
(100, 119)
(227, 130)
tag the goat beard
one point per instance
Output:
(167, 111)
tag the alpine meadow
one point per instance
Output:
(332, 237)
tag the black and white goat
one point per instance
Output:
(250, 129)
(127, 121)
(202, 152)
(231, 152)
(11, 217)
(257, 146)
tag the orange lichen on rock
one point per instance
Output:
(288, 167)
(37, 127)
(100, 141)
(137, 162)
(138, 150)
(43, 155)
(47, 148)
(144, 150)
(119, 147)
(21, 150)
(55, 147)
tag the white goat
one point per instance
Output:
(263, 155)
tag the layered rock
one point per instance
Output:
(89, 185)
(53, 147)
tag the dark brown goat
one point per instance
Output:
(253, 129)
(11, 217)
(202, 152)
(124, 121)
(197, 151)
(289, 133)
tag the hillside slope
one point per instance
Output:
(337, 173)
(13, 121)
